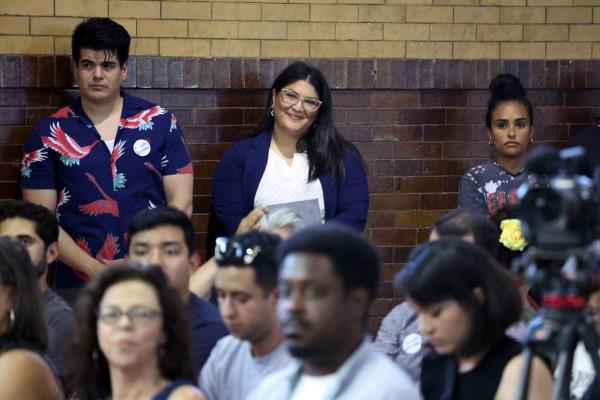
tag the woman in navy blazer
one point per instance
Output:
(298, 118)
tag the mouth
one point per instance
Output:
(97, 86)
(125, 344)
(294, 116)
(511, 144)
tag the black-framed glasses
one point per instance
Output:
(138, 315)
(232, 252)
(291, 98)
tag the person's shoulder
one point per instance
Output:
(186, 392)
(22, 363)
(229, 345)
(386, 376)
(204, 308)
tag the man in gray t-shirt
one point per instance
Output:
(37, 229)
(246, 283)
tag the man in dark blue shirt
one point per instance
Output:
(164, 236)
(104, 158)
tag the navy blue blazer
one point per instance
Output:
(242, 166)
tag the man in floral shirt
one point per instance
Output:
(103, 158)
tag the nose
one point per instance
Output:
(298, 107)
(511, 131)
(98, 72)
(155, 257)
(226, 307)
(124, 321)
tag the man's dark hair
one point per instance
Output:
(461, 222)
(355, 260)
(101, 34)
(266, 268)
(46, 225)
(450, 269)
(146, 220)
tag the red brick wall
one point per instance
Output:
(418, 124)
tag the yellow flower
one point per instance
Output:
(512, 234)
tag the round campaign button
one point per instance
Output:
(141, 147)
(412, 343)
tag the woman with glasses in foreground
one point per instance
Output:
(24, 373)
(465, 302)
(294, 154)
(131, 341)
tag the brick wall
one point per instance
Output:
(423, 29)
(418, 124)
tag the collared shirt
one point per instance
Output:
(365, 375)
(489, 187)
(99, 191)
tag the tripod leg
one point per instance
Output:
(563, 375)
(524, 377)
(591, 340)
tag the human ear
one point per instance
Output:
(479, 295)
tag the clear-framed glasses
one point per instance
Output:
(291, 98)
(234, 253)
(139, 315)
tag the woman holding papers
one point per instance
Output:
(294, 155)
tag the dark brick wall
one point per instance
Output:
(418, 124)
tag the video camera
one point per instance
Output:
(560, 209)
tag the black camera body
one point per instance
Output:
(560, 209)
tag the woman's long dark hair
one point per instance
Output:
(323, 143)
(16, 272)
(451, 269)
(91, 378)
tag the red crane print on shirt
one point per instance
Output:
(64, 112)
(118, 177)
(29, 158)
(70, 151)
(108, 251)
(63, 198)
(143, 119)
(107, 205)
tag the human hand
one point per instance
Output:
(250, 221)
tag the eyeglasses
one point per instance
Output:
(139, 316)
(291, 98)
(234, 253)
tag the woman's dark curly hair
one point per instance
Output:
(91, 377)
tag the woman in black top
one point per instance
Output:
(465, 302)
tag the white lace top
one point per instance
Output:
(282, 183)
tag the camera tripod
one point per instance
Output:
(563, 321)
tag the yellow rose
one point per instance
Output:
(512, 234)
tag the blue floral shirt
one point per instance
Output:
(100, 190)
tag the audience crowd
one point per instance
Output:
(104, 296)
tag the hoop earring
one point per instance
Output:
(11, 317)
(272, 111)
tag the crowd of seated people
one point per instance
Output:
(280, 311)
